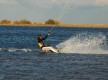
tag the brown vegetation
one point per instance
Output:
(49, 23)
(85, 25)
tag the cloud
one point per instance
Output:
(40, 3)
(80, 3)
(92, 3)
(52, 3)
(3, 1)
(6, 2)
(101, 2)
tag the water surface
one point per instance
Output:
(84, 54)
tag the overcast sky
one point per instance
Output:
(67, 11)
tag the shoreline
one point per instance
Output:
(60, 25)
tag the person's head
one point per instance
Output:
(39, 36)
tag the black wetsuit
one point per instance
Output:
(41, 41)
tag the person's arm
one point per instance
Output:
(46, 36)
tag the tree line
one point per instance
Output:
(25, 21)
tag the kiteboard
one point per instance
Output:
(49, 49)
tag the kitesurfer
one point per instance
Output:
(43, 47)
(41, 40)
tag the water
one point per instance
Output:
(84, 54)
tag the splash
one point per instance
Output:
(85, 43)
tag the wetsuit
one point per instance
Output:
(41, 41)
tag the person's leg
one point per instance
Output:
(53, 49)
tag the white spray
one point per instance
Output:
(84, 43)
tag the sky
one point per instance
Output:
(67, 11)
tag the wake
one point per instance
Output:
(17, 50)
(85, 43)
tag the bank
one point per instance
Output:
(60, 25)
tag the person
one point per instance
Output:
(43, 47)
(41, 40)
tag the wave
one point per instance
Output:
(85, 43)
(17, 50)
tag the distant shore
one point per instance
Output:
(60, 25)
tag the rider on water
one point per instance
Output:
(43, 47)
(41, 40)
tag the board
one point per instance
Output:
(49, 49)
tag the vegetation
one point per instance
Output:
(49, 22)
(23, 21)
(5, 21)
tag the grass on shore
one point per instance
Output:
(60, 25)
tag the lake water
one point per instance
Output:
(84, 54)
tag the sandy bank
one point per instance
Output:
(60, 25)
